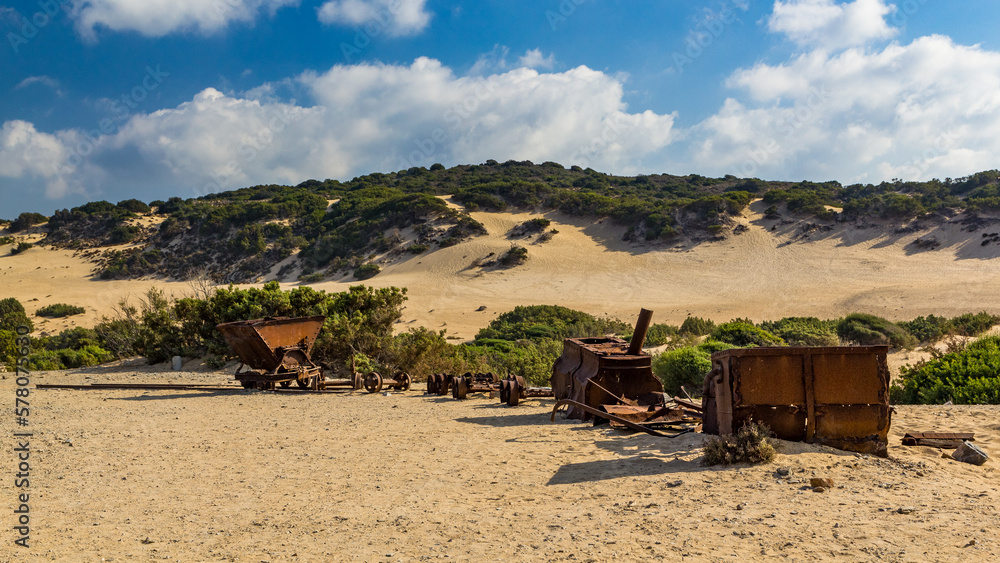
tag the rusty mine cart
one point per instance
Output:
(276, 351)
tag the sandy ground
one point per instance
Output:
(260, 476)
(761, 274)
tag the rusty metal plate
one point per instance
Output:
(769, 380)
(849, 379)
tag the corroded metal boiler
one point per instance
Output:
(599, 371)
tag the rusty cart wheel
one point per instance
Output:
(462, 388)
(358, 381)
(430, 383)
(248, 384)
(503, 390)
(443, 385)
(306, 383)
(403, 381)
(513, 394)
(373, 382)
(454, 388)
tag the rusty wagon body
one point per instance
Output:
(835, 396)
(275, 350)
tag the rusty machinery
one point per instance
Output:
(599, 371)
(514, 389)
(470, 382)
(276, 351)
(835, 396)
(374, 382)
(439, 383)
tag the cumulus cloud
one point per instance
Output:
(364, 118)
(156, 18)
(399, 17)
(917, 111)
(831, 25)
(534, 58)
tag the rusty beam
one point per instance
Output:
(611, 417)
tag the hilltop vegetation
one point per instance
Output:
(326, 228)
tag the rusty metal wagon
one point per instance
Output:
(276, 351)
(835, 396)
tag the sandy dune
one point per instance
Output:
(760, 274)
(259, 476)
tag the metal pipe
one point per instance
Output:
(639, 335)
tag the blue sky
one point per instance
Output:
(147, 99)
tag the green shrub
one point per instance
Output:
(366, 271)
(57, 310)
(712, 346)
(417, 248)
(515, 256)
(8, 349)
(20, 247)
(684, 366)
(926, 329)
(25, 220)
(742, 333)
(659, 334)
(12, 315)
(804, 331)
(6, 240)
(971, 376)
(750, 444)
(697, 326)
(535, 322)
(971, 324)
(314, 277)
(870, 330)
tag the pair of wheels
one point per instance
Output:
(438, 384)
(460, 387)
(374, 382)
(510, 391)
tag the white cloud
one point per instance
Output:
(365, 118)
(156, 18)
(44, 80)
(923, 110)
(398, 17)
(831, 25)
(534, 58)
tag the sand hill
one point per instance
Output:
(773, 268)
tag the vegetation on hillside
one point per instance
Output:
(242, 235)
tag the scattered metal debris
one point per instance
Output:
(937, 439)
(836, 396)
